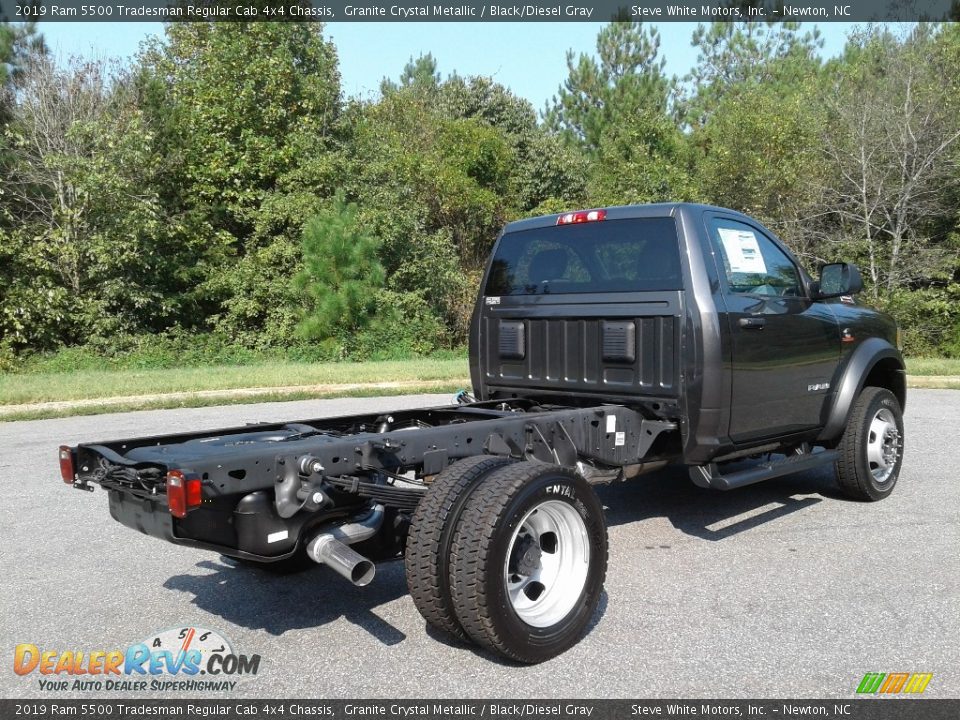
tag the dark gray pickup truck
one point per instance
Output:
(605, 344)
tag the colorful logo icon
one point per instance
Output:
(894, 683)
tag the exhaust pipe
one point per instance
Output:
(331, 547)
(341, 558)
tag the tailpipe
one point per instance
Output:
(331, 547)
(342, 559)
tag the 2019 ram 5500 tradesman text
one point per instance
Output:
(605, 344)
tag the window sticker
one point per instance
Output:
(743, 251)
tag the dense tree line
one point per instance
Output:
(220, 189)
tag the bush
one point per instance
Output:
(173, 349)
(406, 330)
(951, 348)
(403, 327)
(929, 320)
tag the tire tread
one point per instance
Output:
(426, 556)
(469, 568)
(850, 474)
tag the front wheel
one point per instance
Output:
(528, 561)
(871, 450)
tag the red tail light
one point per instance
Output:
(66, 465)
(194, 493)
(184, 492)
(582, 216)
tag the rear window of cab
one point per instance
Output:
(635, 255)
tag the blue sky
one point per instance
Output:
(528, 57)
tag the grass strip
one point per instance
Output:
(184, 400)
(934, 366)
(92, 392)
(20, 389)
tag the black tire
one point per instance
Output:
(431, 533)
(860, 477)
(491, 551)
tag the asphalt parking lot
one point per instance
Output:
(777, 590)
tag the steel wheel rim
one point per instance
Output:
(883, 445)
(547, 561)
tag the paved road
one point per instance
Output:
(778, 590)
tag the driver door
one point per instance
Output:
(783, 346)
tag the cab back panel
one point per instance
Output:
(623, 348)
(591, 307)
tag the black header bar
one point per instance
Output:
(656, 11)
(239, 709)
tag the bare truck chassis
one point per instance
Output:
(604, 344)
(387, 459)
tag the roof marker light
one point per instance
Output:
(581, 216)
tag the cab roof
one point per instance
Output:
(623, 212)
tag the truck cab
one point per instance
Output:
(690, 312)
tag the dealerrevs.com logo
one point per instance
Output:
(189, 659)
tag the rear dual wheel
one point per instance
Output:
(427, 554)
(526, 564)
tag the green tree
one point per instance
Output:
(760, 153)
(614, 109)
(892, 143)
(17, 43)
(624, 79)
(420, 74)
(644, 161)
(246, 118)
(752, 115)
(734, 54)
(436, 172)
(82, 219)
(546, 172)
(341, 274)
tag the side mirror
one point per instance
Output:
(838, 279)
